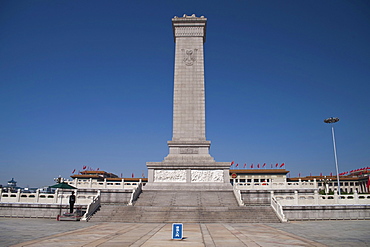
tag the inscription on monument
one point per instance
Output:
(189, 151)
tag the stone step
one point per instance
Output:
(186, 198)
(186, 206)
(240, 215)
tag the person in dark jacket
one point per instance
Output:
(72, 200)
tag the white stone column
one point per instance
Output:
(189, 149)
(189, 97)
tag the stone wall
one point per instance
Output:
(333, 212)
(115, 196)
(28, 210)
(51, 210)
(264, 196)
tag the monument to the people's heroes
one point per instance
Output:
(189, 163)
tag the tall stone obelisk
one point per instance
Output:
(188, 161)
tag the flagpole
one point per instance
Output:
(332, 121)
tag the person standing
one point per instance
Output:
(72, 200)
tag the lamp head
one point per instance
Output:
(331, 120)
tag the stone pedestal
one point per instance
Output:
(188, 161)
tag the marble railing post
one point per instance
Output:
(355, 196)
(296, 198)
(56, 195)
(18, 195)
(123, 183)
(336, 198)
(37, 197)
(316, 197)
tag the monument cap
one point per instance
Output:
(189, 26)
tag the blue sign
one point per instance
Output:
(177, 231)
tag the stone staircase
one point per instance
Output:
(186, 207)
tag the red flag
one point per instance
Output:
(276, 165)
(299, 174)
(368, 183)
(73, 171)
(282, 165)
(258, 166)
(232, 163)
(97, 169)
(320, 173)
(132, 175)
(331, 174)
(264, 164)
(84, 167)
(252, 166)
(245, 165)
(236, 165)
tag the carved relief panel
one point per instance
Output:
(207, 176)
(169, 175)
(189, 56)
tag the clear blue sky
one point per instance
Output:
(90, 83)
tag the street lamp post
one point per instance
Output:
(333, 120)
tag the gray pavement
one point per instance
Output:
(43, 232)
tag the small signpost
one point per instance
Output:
(177, 231)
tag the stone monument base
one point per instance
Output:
(194, 173)
(189, 186)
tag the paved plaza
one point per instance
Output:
(43, 232)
